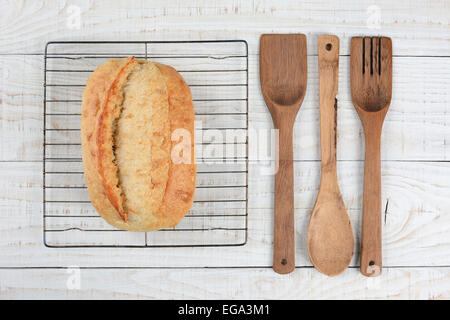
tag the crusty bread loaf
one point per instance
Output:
(132, 114)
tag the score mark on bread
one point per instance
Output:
(130, 110)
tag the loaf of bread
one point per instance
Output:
(137, 133)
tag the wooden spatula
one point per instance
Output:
(330, 234)
(283, 68)
(371, 84)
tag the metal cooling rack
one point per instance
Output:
(217, 72)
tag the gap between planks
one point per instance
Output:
(253, 54)
(201, 268)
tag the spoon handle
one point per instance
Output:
(328, 48)
(371, 223)
(284, 248)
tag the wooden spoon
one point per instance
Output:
(371, 84)
(283, 71)
(330, 234)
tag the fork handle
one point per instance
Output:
(371, 243)
(283, 243)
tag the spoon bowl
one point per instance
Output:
(330, 235)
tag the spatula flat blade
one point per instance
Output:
(283, 68)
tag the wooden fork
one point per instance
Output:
(371, 85)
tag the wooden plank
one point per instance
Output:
(76, 167)
(217, 50)
(190, 223)
(203, 180)
(219, 150)
(71, 237)
(122, 49)
(259, 283)
(63, 94)
(415, 230)
(416, 126)
(201, 194)
(192, 78)
(415, 177)
(192, 231)
(28, 27)
(21, 84)
(153, 49)
(201, 107)
(213, 135)
(215, 238)
(56, 64)
(234, 208)
(223, 121)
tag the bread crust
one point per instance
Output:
(176, 188)
(180, 187)
(109, 112)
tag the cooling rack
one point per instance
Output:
(217, 73)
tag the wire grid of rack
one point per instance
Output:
(217, 73)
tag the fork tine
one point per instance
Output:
(386, 57)
(356, 55)
(367, 48)
(375, 56)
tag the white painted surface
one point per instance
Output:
(255, 283)
(415, 152)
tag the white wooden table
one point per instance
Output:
(415, 153)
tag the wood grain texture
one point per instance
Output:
(415, 128)
(415, 223)
(371, 86)
(415, 149)
(256, 283)
(283, 76)
(330, 235)
(26, 27)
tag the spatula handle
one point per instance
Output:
(371, 246)
(283, 251)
